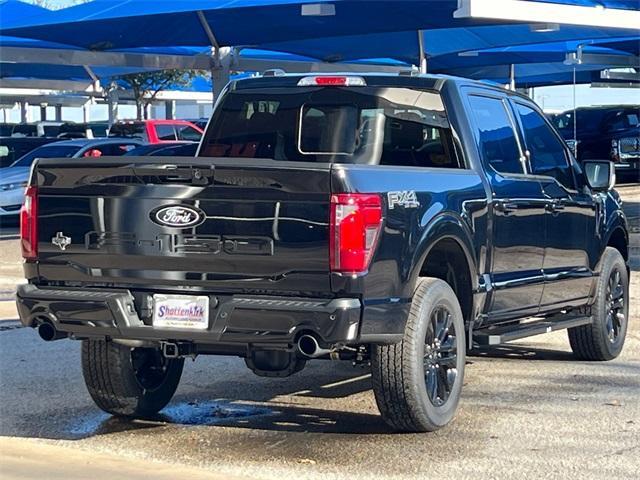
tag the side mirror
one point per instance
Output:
(600, 174)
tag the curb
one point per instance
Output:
(8, 312)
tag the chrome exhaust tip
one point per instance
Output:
(309, 347)
(47, 331)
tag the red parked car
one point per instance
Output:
(157, 131)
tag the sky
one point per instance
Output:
(560, 98)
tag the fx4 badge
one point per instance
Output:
(61, 241)
(405, 198)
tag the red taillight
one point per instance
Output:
(29, 224)
(356, 220)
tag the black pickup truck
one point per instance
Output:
(391, 220)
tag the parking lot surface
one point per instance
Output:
(528, 409)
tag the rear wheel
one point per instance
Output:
(417, 382)
(135, 382)
(604, 338)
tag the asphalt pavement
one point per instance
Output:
(529, 410)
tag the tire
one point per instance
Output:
(402, 372)
(604, 338)
(132, 382)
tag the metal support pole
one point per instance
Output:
(43, 112)
(24, 112)
(219, 77)
(575, 119)
(512, 77)
(170, 109)
(112, 106)
(58, 113)
(423, 54)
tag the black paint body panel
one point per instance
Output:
(266, 231)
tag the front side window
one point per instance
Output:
(547, 155)
(495, 135)
(188, 133)
(363, 125)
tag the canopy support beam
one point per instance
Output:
(104, 59)
(581, 58)
(546, 12)
(624, 76)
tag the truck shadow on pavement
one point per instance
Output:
(522, 352)
(264, 404)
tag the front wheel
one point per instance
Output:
(604, 338)
(132, 382)
(417, 382)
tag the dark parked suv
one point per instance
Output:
(390, 221)
(607, 132)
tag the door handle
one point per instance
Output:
(506, 207)
(555, 206)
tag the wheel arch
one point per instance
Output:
(447, 244)
(619, 240)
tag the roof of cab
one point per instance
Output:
(407, 79)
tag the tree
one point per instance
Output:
(146, 86)
(56, 4)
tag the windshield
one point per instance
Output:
(24, 130)
(366, 125)
(53, 151)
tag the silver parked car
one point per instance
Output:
(13, 179)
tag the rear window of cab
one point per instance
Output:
(362, 125)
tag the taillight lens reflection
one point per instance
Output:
(29, 224)
(356, 221)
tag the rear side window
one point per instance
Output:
(546, 152)
(363, 125)
(166, 132)
(495, 135)
(129, 130)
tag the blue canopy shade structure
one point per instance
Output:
(539, 53)
(14, 11)
(541, 75)
(108, 24)
(296, 33)
(404, 46)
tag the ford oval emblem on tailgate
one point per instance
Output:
(178, 216)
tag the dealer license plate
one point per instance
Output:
(181, 311)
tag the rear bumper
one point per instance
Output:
(259, 321)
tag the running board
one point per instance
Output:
(498, 335)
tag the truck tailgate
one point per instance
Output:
(241, 225)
